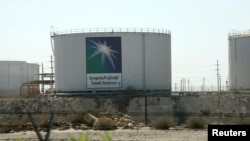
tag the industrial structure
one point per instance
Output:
(239, 58)
(112, 59)
(14, 74)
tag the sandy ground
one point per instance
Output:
(117, 135)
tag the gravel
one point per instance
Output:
(143, 134)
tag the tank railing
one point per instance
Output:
(110, 30)
(236, 34)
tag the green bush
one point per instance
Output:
(106, 137)
(85, 137)
(82, 137)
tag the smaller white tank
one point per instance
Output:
(14, 73)
(239, 58)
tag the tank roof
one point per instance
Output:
(15, 62)
(55, 31)
(237, 34)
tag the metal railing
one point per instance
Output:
(55, 31)
(237, 34)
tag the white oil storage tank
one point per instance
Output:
(112, 59)
(14, 73)
(239, 58)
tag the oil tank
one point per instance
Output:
(112, 59)
(239, 58)
(14, 73)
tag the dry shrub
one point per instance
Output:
(162, 123)
(43, 120)
(196, 123)
(76, 119)
(239, 121)
(5, 129)
(14, 123)
(104, 123)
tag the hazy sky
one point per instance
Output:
(199, 29)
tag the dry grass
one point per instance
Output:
(17, 123)
(5, 129)
(162, 123)
(239, 121)
(196, 123)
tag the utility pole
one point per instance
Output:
(218, 75)
(188, 85)
(204, 87)
(181, 86)
(42, 77)
(175, 86)
(226, 85)
(184, 84)
(220, 81)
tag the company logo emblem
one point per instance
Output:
(103, 54)
(104, 51)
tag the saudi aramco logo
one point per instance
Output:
(103, 54)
